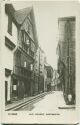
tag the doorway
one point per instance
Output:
(6, 88)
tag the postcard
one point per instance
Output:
(40, 57)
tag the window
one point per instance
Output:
(25, 64)
(30, 29)
(32, 53)
(28, 51)
(31, 67)
(9, 44)
(49, 73)
(14, 87)
(9, 25)
(27, 40)
(22, 36)
(32, 47)
(7, 72)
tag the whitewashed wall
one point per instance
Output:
(7, 54)
(14, 33)
(8, 60)
(6, 22)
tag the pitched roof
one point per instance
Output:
(20, 15)
(9, 9)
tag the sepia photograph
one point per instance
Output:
(33, 76)
(39, 57)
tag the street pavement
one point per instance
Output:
(49, 103)
(48, 106)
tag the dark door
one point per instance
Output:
(6, 86)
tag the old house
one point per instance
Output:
(9, 43)
(20, 48)
(24, 56)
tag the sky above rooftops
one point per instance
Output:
(46, 17)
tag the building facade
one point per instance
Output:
(40, 70)
(25, 53)
(10, 43)
(49, 78)
(56, 83)
(66, 59)
(20, 47)
(23, 60)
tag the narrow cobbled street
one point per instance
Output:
(53, 105)
(52, 102)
